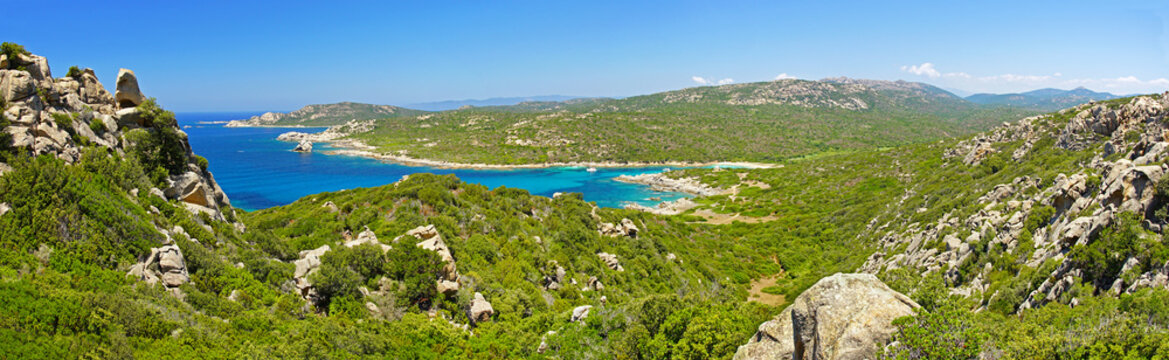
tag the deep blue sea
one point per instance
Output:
(257, 172)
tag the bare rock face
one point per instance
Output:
(127, 94)
(16, 85)
(481, 310)
(843, 316)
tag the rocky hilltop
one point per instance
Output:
(1052, 226)
(64, 116)
(831, 93)
(325, 115)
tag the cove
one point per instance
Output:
(256, 171)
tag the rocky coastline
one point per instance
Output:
(662, 182)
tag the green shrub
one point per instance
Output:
(947, 332)
(74, 72)
(202, 162)
(63, 121)
(97, 126)
(12, 50)
(161, 145)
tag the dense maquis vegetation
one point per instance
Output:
(866, 194)
(69, 233)
(746, 122)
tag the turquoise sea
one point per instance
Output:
(257, 172)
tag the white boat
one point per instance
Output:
(592, 169)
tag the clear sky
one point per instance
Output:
(244, 55)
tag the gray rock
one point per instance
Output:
(611, 261)
(304, 146)
(481, 310)
(16, 85)
(580, 313)
(843, 316)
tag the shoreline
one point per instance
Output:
(229, 124)
(350, 150)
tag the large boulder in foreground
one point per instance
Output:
(843, 316)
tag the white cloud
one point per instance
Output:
(926, 69)
(1006, 83)
(784, 76)
(704, 81)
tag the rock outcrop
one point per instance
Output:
(164, 264)
(843, 316)
(309, 262)
(127, 94)
(61, 116)
(663, 182)
(481, 310)
(580, 313)
(624, 228)
(611, 261)
(447, 282)
(304, 146)
(367, 237)
(1127, 144)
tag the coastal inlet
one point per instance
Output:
(257, 171)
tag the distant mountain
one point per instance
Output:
(326, 115)
(500, 101)
(1043, 99)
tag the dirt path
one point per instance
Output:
(756, 293)
(723, 219)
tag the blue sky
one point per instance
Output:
(243, 55)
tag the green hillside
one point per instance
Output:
(763, 122)
(326, 115)
(1041, 238)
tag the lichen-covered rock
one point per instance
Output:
(843, 316)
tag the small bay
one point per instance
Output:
(257, 171)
